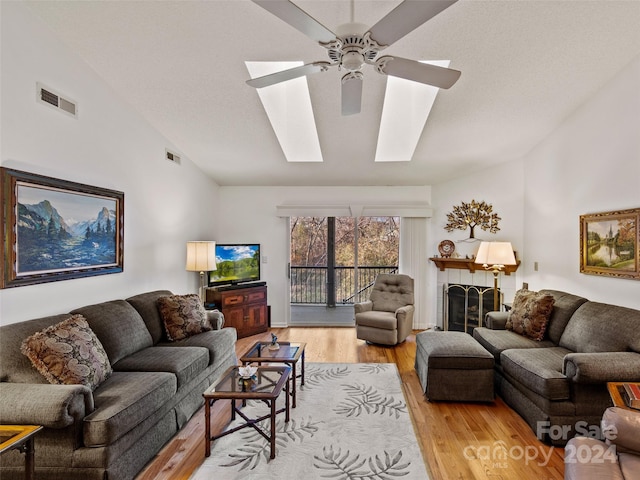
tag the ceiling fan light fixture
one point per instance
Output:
(355, 44)
(352, 60)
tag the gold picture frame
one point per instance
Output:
(609, 244)
(58, 230)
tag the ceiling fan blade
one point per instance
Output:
(298, 19)
(288, 74)
(418, 72)
(351, 93)
(405, 18)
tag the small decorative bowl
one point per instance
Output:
(247, 371)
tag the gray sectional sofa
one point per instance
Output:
(558, 385)
(110, 433)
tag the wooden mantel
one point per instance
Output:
(467, 264)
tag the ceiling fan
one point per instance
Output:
(353, 46)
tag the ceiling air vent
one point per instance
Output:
(174, 157)
(50, 97)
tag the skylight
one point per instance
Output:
(288, 106)
(405, 111)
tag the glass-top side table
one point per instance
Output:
(289, 353)
(20, 437)
(266, 385)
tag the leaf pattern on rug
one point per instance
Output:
(374, 446)
(344, 466)
(363, 398)
(315, 377)
(374, 368)
(257, 449)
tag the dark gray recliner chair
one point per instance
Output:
(387, 318)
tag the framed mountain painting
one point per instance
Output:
(58, 230)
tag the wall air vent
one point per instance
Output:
(174, 157)
(50, 97)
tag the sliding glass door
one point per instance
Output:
(334, 262)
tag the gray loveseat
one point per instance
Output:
(112, 432)
(558, 385)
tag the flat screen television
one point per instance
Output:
(236, 263)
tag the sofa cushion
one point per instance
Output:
(377, 319)
(123, 401)
(497, 341)
(68, 353)
(185, 363)
(600, 327)
(15, 367)
(530, 314)
(538, 369)
(219, 343)
(146, 305)
(183, 316)
(564, 305)
(119, 327)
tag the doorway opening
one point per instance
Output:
(334, 262)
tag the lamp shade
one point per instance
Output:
(495, 253)
(201, 256)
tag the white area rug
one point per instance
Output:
(351, 422)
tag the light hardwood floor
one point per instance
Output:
(459, 441)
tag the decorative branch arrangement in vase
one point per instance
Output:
(471, 215)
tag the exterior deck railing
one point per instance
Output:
(309, 284)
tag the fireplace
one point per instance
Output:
(466, 306)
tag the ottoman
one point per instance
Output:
(453, 366)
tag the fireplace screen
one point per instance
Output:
(466, 306)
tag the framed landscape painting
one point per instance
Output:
(58, 230)
(609, 244)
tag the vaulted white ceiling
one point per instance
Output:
(526, 66)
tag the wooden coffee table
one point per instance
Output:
(20, 437)
(268, 383)
(288, 353)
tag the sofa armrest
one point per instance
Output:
(216, 319)
(588, 458)
(52, 406)
(405, 313)
(363, 307)
(602, 367)
(621, 427)
(496, 320)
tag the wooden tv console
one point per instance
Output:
(243, 308)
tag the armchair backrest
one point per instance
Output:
(392, 291)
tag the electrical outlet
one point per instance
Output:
(535, 266)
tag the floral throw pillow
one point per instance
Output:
(69, 353)
(183, 316)
(530, 314)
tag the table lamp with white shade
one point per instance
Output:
(201, 257)
(493, 256)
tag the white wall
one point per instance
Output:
(249, 215)
(590, 164)
(500, 186)
(109, 145)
